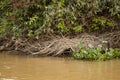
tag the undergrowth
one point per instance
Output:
(37, 17)
(92, 53)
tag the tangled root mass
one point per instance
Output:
(59, 46)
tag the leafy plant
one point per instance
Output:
(100, 22)
(24, 17)
(92, 53)
(61, 26)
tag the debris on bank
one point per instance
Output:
(58, 46)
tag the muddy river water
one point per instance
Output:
(15, 67)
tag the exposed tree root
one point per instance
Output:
(113, 38)
(58, 46)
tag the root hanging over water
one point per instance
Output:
(58, 46)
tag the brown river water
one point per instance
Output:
(16, 67)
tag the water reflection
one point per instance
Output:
(48, 68)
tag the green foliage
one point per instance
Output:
(78, 28)
(35, 17)
(61, 26)
(92, 53)
(101, 22)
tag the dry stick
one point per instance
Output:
(27, 50)
(55, 48)
(59, 52)
(66, 46)
(48, 53)
(2, 48)
(50, 45)
(31, 45)
(52, 51)
(45, 48)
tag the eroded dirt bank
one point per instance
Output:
(57, 46)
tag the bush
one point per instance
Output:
(36, 17)
(92, 53)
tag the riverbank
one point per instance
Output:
(58, 45)
(88, 29)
